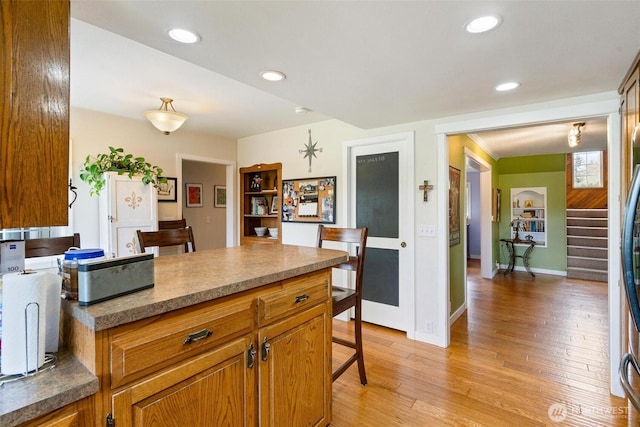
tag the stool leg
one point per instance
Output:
(358, 336)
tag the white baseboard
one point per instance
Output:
(430, 339)
(536, 270)
(459, 312)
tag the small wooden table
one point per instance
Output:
(512, 254)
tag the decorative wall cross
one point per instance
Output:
(426, 188)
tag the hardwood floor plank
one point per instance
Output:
(526, 347)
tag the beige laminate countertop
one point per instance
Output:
(31, 397)
(188, 279)
(180, 281)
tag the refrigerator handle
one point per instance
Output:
(624, 378)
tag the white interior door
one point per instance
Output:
(380, 197)
(126, 205)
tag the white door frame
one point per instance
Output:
(407, 299)
(232, 230)
(599, 108)
(486, 248)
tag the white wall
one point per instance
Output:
(283, 145)
(92, 133)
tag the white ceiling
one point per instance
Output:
(367, 63)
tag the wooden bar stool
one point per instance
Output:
(50, 246)
(167, 237)
(345, 298)
(172, 224)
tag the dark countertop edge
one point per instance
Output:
(67, 366)
(108, 321)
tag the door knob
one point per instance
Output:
(403, 244)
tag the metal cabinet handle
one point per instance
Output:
(251, 356)
(624, 378)
(301, 298)
(197, 336)
(265, 349)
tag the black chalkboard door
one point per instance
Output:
(378, 193)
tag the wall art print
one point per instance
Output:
(454, 206)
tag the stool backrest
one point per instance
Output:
(169, 237)
(50, 246)
(347, 235)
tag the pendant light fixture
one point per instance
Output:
(164, 120)
(575, 135)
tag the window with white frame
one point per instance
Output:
(587, 169)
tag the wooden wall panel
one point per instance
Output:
(591, 198)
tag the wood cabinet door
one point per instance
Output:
(76, 414)
(213, 389)
(126, 205)
(34, 111)
(295, 378)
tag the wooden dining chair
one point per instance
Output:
(345, 298)
(171, 224)
(168, 237)
(50, 246)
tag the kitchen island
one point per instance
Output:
(235, 336)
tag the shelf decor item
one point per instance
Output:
(528, 218)
(117, 161)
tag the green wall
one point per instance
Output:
(532, 164)
(457, 256)
(537, 171)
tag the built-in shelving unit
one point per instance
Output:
(529, 214)
(260, 202)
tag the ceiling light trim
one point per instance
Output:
(505, 87)
(273, 75)
(184, 36)
(482, 24)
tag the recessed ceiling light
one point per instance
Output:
(507, 86)
(483, 23)
(273, 75)
(183, 36)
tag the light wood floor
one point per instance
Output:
(524, 345)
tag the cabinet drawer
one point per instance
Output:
(297, 294)
(143, 349)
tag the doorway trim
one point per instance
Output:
(230, 171)
(486, 248)
(575, 110)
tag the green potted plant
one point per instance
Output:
(117, 161)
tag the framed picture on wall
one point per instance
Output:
(454, 206)
(194, 195)
(167, 190)
(219, 196)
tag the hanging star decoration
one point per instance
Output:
(310, 150)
